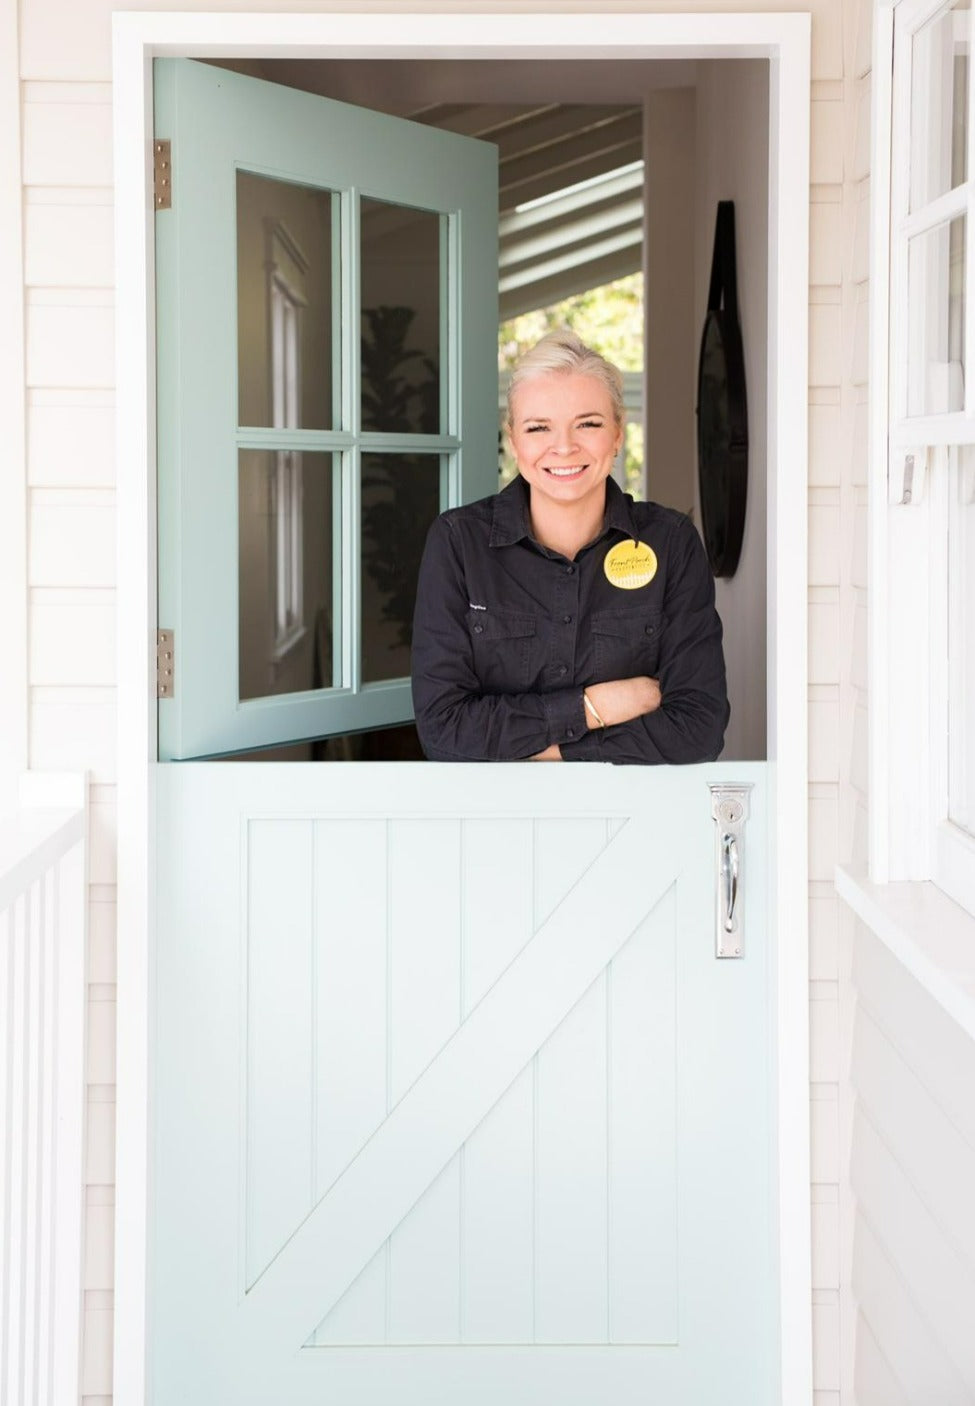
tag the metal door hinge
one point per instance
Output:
(162, 168)
(165, 663)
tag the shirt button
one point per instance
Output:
(570, 732)
(566, 619)
(570, 571)
(479, 629)
(563, 670)
(651, 629)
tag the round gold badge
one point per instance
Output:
(630, 565)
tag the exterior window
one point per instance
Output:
(936, 319)
(924, 825)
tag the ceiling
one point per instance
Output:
(566, 240)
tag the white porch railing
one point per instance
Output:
(43, 864)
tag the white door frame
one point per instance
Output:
(784, 40)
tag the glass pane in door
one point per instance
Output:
(401, 314)
(285, 571)
(936, 320)
(400, 499)
(939, 104)
(284, 304)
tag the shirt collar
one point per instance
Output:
(511, 522)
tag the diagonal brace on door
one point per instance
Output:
(456, 1091)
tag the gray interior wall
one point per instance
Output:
(731, 163)
(669, 284)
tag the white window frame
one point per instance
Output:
(911, 837)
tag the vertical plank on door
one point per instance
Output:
(424, 1012)
(498, 1258)
(279, 1035)
(350, 1035)
(642, 1147)
(350, 990)
(570, 1122)
(497, 1161)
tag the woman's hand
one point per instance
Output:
(621, 700)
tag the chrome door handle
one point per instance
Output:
(729, 809)
(729, 869)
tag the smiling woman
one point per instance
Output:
(559, 620)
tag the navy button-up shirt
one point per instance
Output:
(507, 634)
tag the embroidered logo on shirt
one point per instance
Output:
(476, 607)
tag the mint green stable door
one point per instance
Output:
(452, 1103)
(327, 383)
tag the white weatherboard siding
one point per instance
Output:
(65, 65)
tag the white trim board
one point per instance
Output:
(878, 656)
(782, 38)
(13, 414)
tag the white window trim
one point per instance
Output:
(13, 415)
(783, 39)
(910, 837)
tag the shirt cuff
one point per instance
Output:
(585, 748)
(565, 714)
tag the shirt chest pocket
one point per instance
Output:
(626, 642)
(502, 644)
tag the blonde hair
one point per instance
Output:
(562, 351)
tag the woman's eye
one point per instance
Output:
(535, 429)
(591, 425)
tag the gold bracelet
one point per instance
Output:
(589, 704)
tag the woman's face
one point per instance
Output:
(564, 435)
